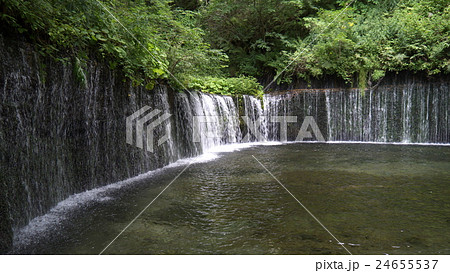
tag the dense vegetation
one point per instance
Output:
(321, 37)
(223, 46)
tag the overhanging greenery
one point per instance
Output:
(223, 46)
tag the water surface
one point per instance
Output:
(375, 198)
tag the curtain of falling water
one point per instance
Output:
(408, 112)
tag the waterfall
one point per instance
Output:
(59, 137)
(255, 120)
(298, 105)
(406, 112)
(206, 120)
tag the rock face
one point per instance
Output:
(60, 135)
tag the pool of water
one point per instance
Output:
(374, 198)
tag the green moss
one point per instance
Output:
(78, 69)
(227, 86)
(362, 80)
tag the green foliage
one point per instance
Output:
(319, 38)
(78, 71)
(189, 55)
(187, 4)
(204, 42)
(419, 38)
(413, 36)
(253, 33)
(378, 74)
(150, 40)
(79, 26)
(227, 86)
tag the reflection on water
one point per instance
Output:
(374, 198)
